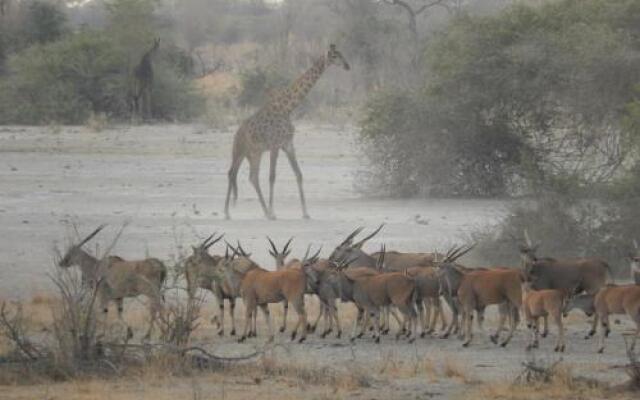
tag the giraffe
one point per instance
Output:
(270, 129)
(142, 83)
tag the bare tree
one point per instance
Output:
(414, 10)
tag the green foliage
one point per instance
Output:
(530, 98)
(45, 22)
(131, 23)
(89, 72)
(174, 97)
(64, 81)
(257, 83)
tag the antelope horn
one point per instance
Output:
(273, 245)
(451, 254)
(91, 235)
(204, 243)
(363, 241)
(350, 237)
(306, 254)
(286, 246)
(244, 253)
(380, 262)
(235, 250)
(317, 255)
(465, 251)
(214, 241)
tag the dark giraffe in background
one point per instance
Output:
(143, 84)
(4, 7)
(270, 129)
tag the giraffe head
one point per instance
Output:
(335, 57)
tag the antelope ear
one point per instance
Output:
(272, 253)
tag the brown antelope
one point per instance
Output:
(372, 292)
(259, 287)
(611, 300)
(587, 274)
(474, 290)
(399, 261)
(347, 250)
(203, 270)
(544, 303)
(635, 264)
(324, 283)
(450, 275)
(281, 257)
(115, 279)
(428, 303)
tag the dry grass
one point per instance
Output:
(170, 378)
(562, 385)
(455, 369)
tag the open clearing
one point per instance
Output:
(170, 182)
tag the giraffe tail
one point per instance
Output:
(235, 165)
(234, 189)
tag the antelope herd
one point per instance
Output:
(409, 287)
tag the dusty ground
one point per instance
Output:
(170, 182)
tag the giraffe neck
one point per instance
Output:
(293, 96)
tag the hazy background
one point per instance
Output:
(534, 101)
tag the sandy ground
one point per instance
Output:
(170, 183)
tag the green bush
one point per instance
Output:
(564, 226)
(532, 97)
(65, 81)
(83, 74)
(256, 84)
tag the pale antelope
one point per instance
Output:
(611, 300)
(544, 303)
(115, 279)
(203, 270)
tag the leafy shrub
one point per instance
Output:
(256, 84)
(85, 74)
(65, 81)
(531, 97)
(565, 227)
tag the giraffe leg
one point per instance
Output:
(291, 154)
(254, 178)
(233, 182)
(272, 180)
(146, 104)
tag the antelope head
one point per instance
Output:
(313, 276)
(348, 249)
(74, 254)
(527, 253)
(447, 267)
(279, 256)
